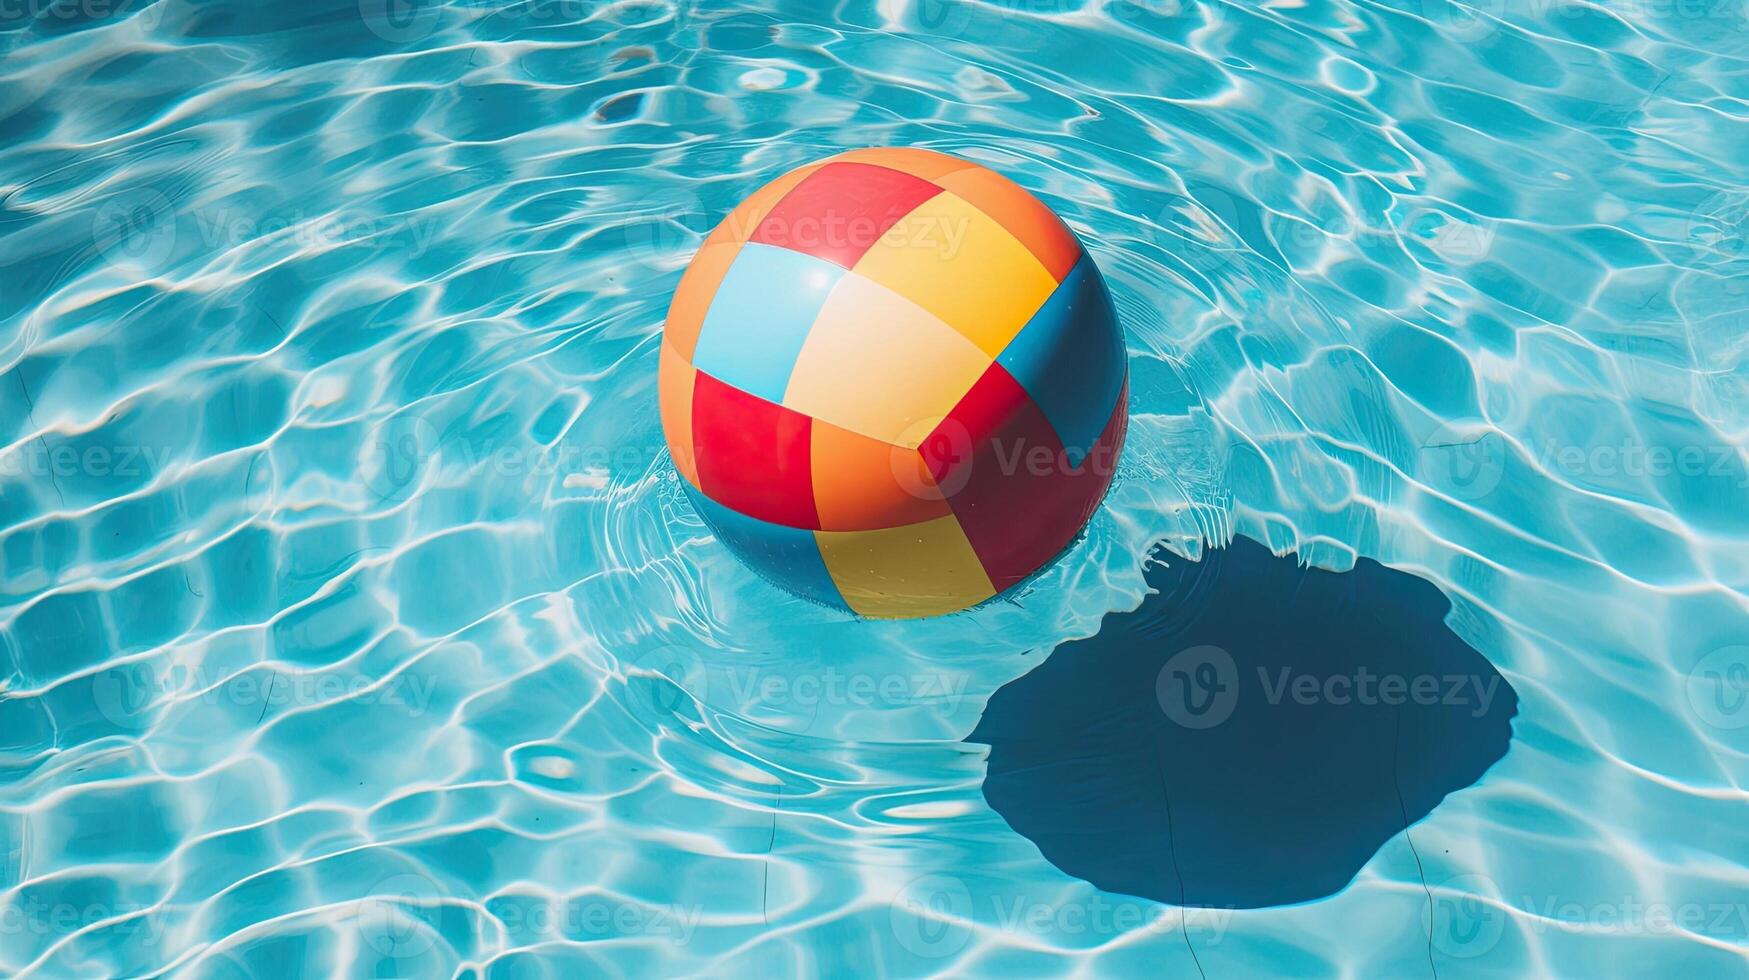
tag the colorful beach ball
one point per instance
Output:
(893, 382)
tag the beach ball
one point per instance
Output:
(893, 382)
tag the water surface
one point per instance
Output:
(351, 617)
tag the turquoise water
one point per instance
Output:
(352, 619)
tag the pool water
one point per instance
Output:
(353, 621)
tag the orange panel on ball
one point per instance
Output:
(674, 383)
(698, 287)
(1025, 216)
(863, 484)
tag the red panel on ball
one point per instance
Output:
(753, 456)
(840, 211)
(980, 414)
(1008, 478)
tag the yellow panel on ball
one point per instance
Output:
(922, 569)
(961, 265)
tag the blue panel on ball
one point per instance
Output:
(761, 315)
(1070, 358)
(788, 557)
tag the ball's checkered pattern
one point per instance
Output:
(893, 382)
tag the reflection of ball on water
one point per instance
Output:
(893, 382)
